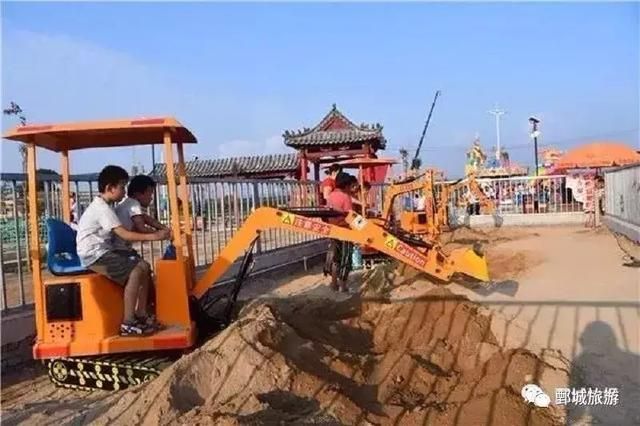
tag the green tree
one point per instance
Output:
(15, 110)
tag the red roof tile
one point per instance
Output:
(336, 129)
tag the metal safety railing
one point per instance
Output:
(622, 194)
(218, 209)
(220, 206)
(512, 195)
(525, 195)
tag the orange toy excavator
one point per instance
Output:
(78, 312)
(434, 219)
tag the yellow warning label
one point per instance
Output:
(287, 219)
(390, 242)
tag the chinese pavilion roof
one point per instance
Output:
(336, 129)
(238, 166)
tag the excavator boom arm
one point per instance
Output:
(361, 231)
(485, 201)
(472, 184)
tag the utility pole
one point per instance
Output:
(416, 162)
(534, 134)
(497, 113)
(153, 158)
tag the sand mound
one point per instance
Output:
(325, 362)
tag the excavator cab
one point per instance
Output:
(78, 312)
(415, 222)
(422, 219)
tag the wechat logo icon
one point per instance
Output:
(533, 394)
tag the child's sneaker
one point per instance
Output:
(149, 322)
(133, 329)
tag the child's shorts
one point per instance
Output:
(117, 265)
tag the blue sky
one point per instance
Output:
(240, 74)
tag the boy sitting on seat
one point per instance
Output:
(132, 215)
(95, 243)
(131, 211)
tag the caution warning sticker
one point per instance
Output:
(359, 223)
(287, 219)
(390, 242)
(411, 254)
(405, 251)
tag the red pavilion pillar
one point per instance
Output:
(303, 166)
(370, 173)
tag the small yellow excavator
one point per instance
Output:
(78, 312)
(434, 219)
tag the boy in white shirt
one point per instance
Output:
(95, 243)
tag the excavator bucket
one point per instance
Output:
(214, 310)
(471, 263)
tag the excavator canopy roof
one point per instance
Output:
(101, 134)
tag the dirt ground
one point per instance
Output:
(563, 312)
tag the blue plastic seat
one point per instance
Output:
(169, 253)
(62, 256)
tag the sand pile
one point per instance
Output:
(363, 360)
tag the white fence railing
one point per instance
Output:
(513, 195)
(622, 194)
(219, 207)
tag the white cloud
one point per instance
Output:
(59, 78)
(237, 148)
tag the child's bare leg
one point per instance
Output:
(343, 283)
(334, 276)
(151, 305)
(130, 299)
(143, 291)
(131, 291)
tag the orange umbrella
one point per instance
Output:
(598, 154)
